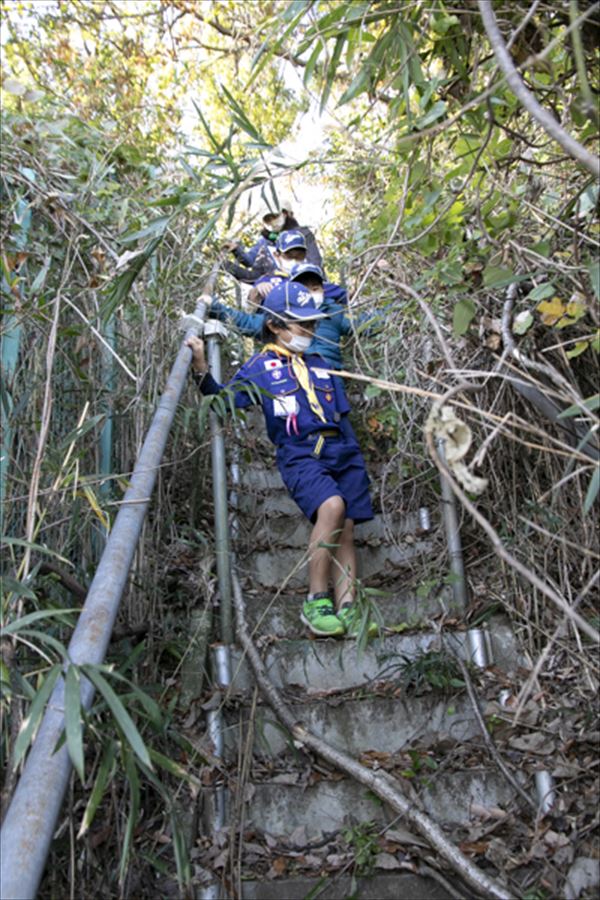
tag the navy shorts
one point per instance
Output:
(338, 471)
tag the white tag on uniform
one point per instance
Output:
(285, 406)
(320, 373)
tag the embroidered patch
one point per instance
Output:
(273, 364)
(277, 374)
(320, 373)
(303, 298)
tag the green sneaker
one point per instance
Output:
(352, 619)
(319, 615)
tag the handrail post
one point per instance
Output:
(213, 332)
(457, 566)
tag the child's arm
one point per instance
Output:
(335, 292)
(246, 257)
(202, 376)
(250, 324)
(209, 385)
(350, 326)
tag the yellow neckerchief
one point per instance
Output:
(301, 372)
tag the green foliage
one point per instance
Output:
(362, 839)
(435, 669)
(420, 764)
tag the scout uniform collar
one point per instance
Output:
(300, 370)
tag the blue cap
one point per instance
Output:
(290, 300)
(306, 269)
(290, 240)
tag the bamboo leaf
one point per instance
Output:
(173, 768)
(360, 83)
(73, 720)
(124, 720)
(150, 705)
(156, 227)
(296, 10)
(34, 715)
(132, 816)
(592, 491)
(591, 403)
(19, 542)
(48, 639)
(332, 69)
(78, 433)
(104, 771)
(12, 585)
(93, 501)
(27, 620)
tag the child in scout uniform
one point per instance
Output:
(318, 457)
(329, 297)
(258, 260)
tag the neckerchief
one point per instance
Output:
(301, 372)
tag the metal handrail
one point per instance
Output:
(31, 818)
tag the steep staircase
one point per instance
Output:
(306, 827)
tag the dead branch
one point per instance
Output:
(541, 115)
(501, 550)
(487, 738)
(382, 784)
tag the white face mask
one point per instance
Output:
(287, 264)
(276, 223)
(298, 343)
(318, 297)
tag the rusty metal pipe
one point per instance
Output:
(31, 818)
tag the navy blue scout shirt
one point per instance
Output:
(284, 398)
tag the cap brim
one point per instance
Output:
(301, 316)
(312, 316)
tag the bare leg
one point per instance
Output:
(345, 566)
(327, 530)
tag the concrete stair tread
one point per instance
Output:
(377, 886)
(280, 613)
(372, 723)
(449, 798)
(289, 565)
(328, 664)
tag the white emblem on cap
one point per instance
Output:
(303, 298)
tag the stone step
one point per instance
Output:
(382, 724)
(377, 886)
(279, 614)
(285, 566)
(451, 799)
(329, 664)
(277, 522)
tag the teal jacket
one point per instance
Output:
(328, 333)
